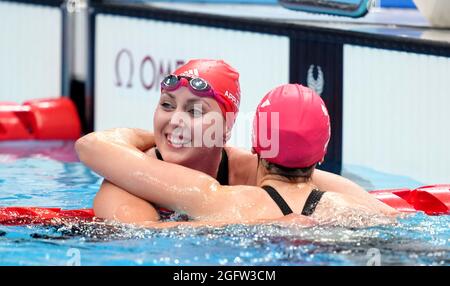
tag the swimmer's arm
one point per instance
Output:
(136, 138)
(345, 210)
(330, 182)
(173, 224)
(289, 220)
(168, 185)
(113, 203)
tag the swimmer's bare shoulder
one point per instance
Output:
(242, 166)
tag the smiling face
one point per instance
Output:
(187, 127)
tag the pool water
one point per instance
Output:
(48, 174)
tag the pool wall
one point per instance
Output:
(32, 53)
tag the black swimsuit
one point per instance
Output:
(222, 178)
(309, 207)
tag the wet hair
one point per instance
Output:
(291, 174)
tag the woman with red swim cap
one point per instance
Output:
(198, 89)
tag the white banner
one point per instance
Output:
(30, 51)
(396, 113)
(132, 55)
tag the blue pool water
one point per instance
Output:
(48, 174)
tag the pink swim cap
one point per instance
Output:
(303, 129)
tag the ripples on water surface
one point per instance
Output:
(47, 174)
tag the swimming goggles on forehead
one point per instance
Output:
(196, 85)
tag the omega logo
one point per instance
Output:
(150, 71)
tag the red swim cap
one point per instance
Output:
(223, 79)
(303, 129)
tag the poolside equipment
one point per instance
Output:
(432, 200)
(346, 8)
(41, 119)
(37, 215)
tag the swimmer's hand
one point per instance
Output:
(133, 137)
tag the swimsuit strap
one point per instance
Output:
(158, 154)
(309, 207)
(276, 197)
(311, 202)
(222, 173)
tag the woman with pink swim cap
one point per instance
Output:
(133, 178)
